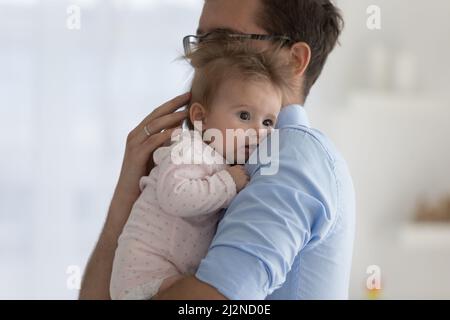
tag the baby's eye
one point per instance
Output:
(244, 115)
(268, 123)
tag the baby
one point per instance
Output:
(172, 223)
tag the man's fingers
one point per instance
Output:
(158, 139)
(166, 109)
(169, 106)
(168, 121)
(156, 126)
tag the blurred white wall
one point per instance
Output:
(68, 98)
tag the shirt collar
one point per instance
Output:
(293, 114)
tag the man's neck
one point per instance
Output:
(290, 100)
(297, 102)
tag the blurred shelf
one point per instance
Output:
(427, 235)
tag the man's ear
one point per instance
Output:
(197, 113)
(301, 56)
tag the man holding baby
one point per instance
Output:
(288, 235)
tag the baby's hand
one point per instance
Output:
(239, 175)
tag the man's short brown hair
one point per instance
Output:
(315, 22)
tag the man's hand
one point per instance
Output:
(190, 288)
(141, 143)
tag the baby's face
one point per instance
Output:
(246, 106)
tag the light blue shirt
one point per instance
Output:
(288, 235)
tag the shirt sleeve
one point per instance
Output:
(271, 220)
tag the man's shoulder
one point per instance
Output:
(308, 142)
(310, 158)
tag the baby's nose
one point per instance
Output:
(263, 132)
(256, 134)
(257, 128)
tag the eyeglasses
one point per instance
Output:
(191, 42)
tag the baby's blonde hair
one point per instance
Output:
(221, 59)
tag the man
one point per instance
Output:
(288, 235)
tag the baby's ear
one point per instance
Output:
(197, 113)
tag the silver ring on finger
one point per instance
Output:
(147, 131)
